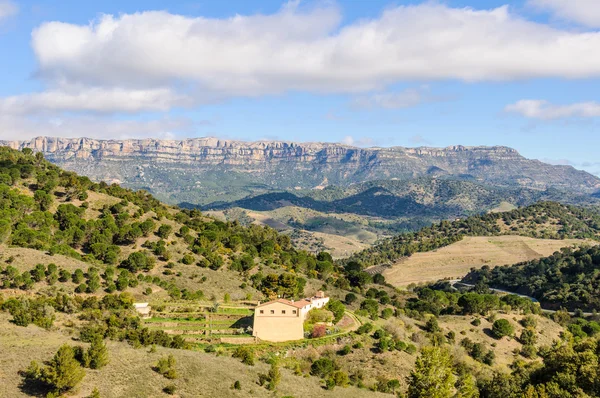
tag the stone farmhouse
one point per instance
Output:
(282, 320)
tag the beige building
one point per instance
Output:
(282, 320)
(143, 309)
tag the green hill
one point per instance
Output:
(547, 220)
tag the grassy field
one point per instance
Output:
(455, 260)
(130, 374)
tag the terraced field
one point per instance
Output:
(203, 322)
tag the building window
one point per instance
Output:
(283, 311)
(262, 312)
(293, 311)
(272, 311)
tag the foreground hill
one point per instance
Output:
(206, 170)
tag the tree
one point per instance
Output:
(528, 337)
(97, 354)
(63, 372)
(322, 367)
(432, 325)
(337, 308)
(164, 231)
(432, 376)
(501, 328)
(350, 298)
(43, 199)
(467, 387)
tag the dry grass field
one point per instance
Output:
(457, 259)
(129, 373)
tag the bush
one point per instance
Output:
(318, 331)
(322, 367)
(365, 328)
(170, 389)
(476, 322)
(528, 337)
(350, 298)
(245, 354)
(501, 328)
(387, 313)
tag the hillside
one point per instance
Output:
(75, 255)
(205, 170)
(544, 220)
(456, 260)
(568, 278)
(374, 210)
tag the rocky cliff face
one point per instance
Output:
(180, 170)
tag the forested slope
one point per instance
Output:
(547, 220)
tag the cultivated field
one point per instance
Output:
(457, 259)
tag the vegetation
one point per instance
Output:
(567, 279)
(548, 220)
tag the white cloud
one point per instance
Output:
(541, 109)
(309, 51)
(390, 100)
(7, 9)
(360, 142)
(19, 128)
(96, 99)
(154, 61)
(584, 12)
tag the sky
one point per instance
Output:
(524, 74)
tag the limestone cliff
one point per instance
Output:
(202, 166)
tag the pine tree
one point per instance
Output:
(467, 387)
(432, 376)
(97, 353)
(63, 372)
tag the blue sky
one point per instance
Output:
(524, 74)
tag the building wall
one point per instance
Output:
(275, 325)
(316, 303)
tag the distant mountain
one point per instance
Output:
(435, 198)
(205, 170)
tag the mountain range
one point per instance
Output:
(204, 170)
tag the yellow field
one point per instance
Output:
(457, 259)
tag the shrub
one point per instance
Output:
(501, 328)
(318, 331)
(529, 351)
(387, 313)
(245, 354)
(476, 322)
(170, 389)
(350, 298)
(528, 337)
(322, 367)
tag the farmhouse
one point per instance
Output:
(282, 320)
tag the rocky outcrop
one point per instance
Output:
(172, 166)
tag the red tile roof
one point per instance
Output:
(298, 304)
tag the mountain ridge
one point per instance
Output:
(209, 169)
